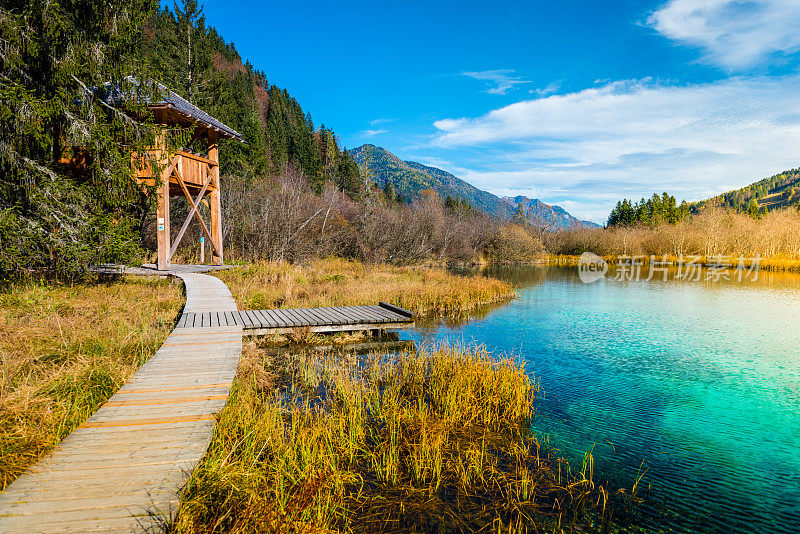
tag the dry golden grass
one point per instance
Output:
(433, 441)
(65, 350)
(775, 263)
(338, 282)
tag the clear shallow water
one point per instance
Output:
(699, 381)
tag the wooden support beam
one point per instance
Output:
(195, 203)
(162, 210)
(216, 201)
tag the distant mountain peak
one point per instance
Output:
(410, 177)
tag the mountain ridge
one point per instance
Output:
(409, 178)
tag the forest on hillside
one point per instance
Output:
(775, 192)
(291, 191)
(55, 54)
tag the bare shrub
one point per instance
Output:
(282, 219)
(513, 243)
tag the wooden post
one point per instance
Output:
(216, 201)
(162, 210)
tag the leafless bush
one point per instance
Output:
(513, 243)
(281, 219)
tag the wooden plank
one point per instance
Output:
(308, 313)
(377, 311)
(344, 317)
(254, 321)
(267, 318)
(336, 316)
(136, 452)
(283, 319)
(257, 319)
(387, 313)
(298, 317)
(355, 312)
(332, 328)
(364, 314)
(323, 316)
(314, 312)
(351, 313)
(351, 319)
(396, 309)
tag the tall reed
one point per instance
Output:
(436, 440)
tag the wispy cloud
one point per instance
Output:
(551, 88)
(378, 122)
(733, 34)
(371, 133)
(632, 138)
(499, 81)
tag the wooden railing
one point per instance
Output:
(193, 168)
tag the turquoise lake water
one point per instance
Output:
(697, 382)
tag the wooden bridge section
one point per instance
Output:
(282, 321)
(122, 469)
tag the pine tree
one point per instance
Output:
(520, 217)
(389, 192)
(753, 209)
(55, 216)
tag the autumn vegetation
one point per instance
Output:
(337, 282)
(774, 236)
(65, 349)
(439, 440)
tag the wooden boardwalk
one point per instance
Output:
(129, 460)
(122, 470)
(331, 319)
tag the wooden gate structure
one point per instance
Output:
(193, 175)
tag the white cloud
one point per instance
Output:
(632, 138)
(500, 80)
(371, 133)
(734, 34)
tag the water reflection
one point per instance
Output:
(698, 380)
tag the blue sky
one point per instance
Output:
(577, 103)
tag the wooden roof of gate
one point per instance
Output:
(168, 106)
